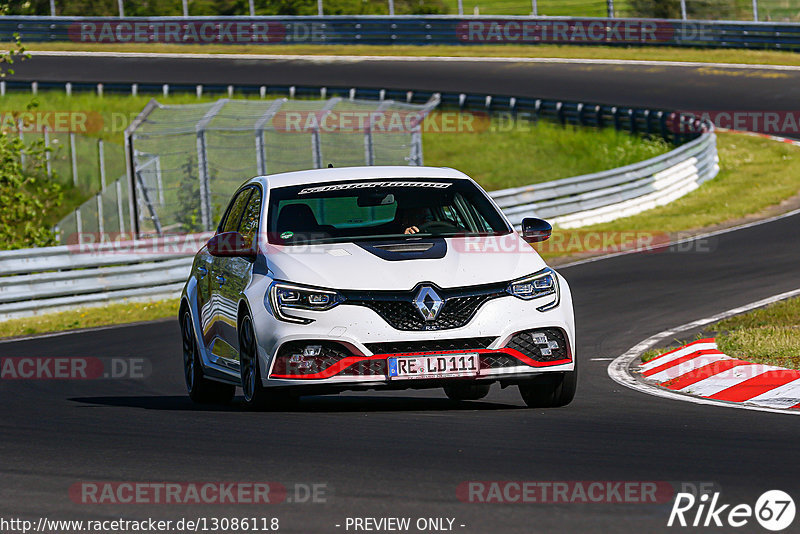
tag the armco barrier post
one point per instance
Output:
(74, 158)
(20, 125)
(102, 161)
(48, 164)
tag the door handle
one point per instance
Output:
(220, 279)
(203, 272)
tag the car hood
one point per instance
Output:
(466, 262)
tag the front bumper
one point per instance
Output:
(364, 342)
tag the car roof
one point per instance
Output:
(342, 174)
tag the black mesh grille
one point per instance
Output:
(494, 361)
(398, 309)
(330, 354)
(432, 345)
(525, 343)
(366, 368)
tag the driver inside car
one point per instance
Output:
(412, 218)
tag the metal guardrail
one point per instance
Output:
(50, 279)
(53, 279)
(405, 30)
(56, 278)
(605, 196)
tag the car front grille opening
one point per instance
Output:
(430, 345)
(297, 358)
(403, 315)
(541, 345)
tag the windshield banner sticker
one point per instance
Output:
(370, 185)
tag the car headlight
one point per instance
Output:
(542, 285)
(283, 298)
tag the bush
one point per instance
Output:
(26, 199)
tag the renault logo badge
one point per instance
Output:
(428, 303)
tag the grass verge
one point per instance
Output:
(755, 174)
(111, 314)
(769, 335)
(750, 57)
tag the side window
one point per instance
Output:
(235, 210)
(249, 226)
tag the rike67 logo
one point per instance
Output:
(774, 510)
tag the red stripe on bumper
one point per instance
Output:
(344, 363)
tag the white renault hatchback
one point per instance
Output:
(364, 278)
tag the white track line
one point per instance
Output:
(82, 330)
(620, 372)
(681, 241)
(413, 59)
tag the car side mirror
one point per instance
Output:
(535, 230)
(230, 244)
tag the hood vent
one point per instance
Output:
(430, 249)
(405, 247)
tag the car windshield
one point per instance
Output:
(380, 209)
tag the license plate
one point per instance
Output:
(444, 366)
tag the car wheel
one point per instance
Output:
(466, 391)
(201, 389)
(550, 390)
(256, 396)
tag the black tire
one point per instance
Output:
(256, 396)
(201, 390)
(550, 390)
(464, 391)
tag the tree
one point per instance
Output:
(26, 197)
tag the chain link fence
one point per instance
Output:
(188, 159)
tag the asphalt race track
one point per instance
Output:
(673, 87)
(404, 454)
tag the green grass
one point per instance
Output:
(536, 153)
(769, 335)
(111, 314)
(755, 174)
(757, 57)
